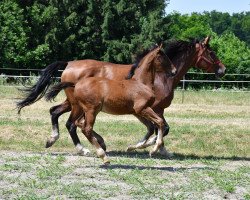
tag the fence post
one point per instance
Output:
(183, 89)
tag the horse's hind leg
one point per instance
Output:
(147, 141)
(71, 126)
(56, 112)
(87, 129)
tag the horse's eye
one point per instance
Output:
(212, 54)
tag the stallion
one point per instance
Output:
(133, 96)
(183, 54)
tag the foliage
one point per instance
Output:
(185, 26)
(234, 53)
(14, 38)
(36, 33)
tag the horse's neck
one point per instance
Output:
(145, 74)
(183, 63)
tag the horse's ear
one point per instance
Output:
(160, 46)
(206, 41)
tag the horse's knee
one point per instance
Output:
(160, 123)
(166, 129)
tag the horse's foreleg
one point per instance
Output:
(152, 140)
(147, 141)
(56, 112)
(142, 142)
(149, 114)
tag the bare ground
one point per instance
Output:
(25, 175)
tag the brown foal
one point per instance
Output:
(134, 96)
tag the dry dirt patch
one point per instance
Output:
(68, 176)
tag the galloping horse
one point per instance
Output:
(133, 96)
(182, 53)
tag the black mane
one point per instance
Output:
(138, 58)
(175, 47)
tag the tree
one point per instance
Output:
(235, 54)
(14, 39)
(129, 26)
(188, 26)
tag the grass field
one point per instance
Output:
(209, 136)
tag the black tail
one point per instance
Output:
(54, 91)
(38, 90)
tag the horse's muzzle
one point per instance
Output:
(173, 72)
(221, 71)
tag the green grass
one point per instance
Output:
(209, 135)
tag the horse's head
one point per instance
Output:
(162, 62)
(154, 56)
(207, 59)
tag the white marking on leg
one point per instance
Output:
(101, 153)
(159, 138)
(81, 150)
(158, 143)
(55, 133)
(151, 141)
(140, 144)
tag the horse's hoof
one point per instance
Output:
(49, 144)
(130, 148)
(106, 161)
(84, 152)
(151, 153)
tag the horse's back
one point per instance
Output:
(79, 69)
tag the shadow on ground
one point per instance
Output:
(177, 156)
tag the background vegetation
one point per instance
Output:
(38, 32)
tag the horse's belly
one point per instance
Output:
(117, 108)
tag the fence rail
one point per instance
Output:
(184, 82)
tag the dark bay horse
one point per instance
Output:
(184, 54)
(131, 96)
